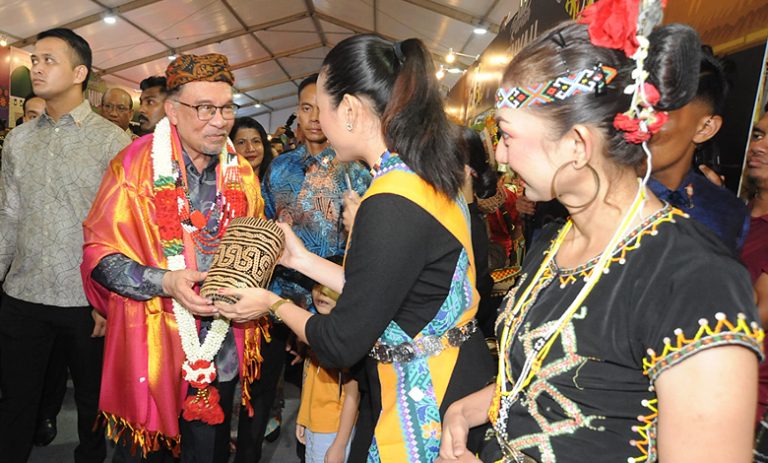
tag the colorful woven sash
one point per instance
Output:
(409, 427)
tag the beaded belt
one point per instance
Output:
(425, 346)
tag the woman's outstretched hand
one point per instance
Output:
(253, 303)
(294, 250)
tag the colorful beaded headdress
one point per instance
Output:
(563, 87)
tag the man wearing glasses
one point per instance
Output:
(117, 107)
(152, 232)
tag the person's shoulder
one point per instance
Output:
(387, 202)
(721, 194)
(289, 158)
(293, 155)
(133, 158)
(286, 162)
(22, 130)
(685, 243)
(96, 122)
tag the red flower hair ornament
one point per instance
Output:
(623, 25)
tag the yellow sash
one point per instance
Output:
(389, 437)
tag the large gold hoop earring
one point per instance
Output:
(556, 195)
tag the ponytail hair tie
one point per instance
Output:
(398, 47)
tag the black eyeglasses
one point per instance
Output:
(206, 112)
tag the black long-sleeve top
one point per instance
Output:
(398, 267)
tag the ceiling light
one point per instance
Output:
(480, 30)
(3, 41)
(171, 55)
(454, 71)
(440, 73)
(450, 57)
(110, 17)
(257, 105)
(238, 95)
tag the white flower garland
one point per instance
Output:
(162, 166)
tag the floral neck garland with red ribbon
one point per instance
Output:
(175, 217)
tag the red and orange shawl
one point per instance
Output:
(142, 389)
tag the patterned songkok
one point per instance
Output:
(212, 67)
(562, 88)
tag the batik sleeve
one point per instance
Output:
(129, 278)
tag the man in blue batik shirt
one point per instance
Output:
(305, 188)
(673, 148)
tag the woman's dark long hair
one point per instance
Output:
(399, 79)
(673, 64)
(250, 123)
(484, 180)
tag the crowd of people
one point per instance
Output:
(633, 332)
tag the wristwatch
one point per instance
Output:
(273, 309)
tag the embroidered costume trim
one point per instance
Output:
(631, 242)
(724, 332)
(646, 443)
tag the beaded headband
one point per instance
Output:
(562, 88)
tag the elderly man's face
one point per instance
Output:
(198, 136)
(33, 108)
(116, 106)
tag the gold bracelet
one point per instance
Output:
(273, 309)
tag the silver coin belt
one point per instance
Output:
(425, 346)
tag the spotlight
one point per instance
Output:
(454, 71)
(257, 105)
(110, 17)
(171, 55)
(480, 30)
(450, 57)
(238, 95)
(3, 41)
(440, 73)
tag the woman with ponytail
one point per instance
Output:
(408, 296)
(632, 335)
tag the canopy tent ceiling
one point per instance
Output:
(272, 45)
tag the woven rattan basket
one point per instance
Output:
(246, 257)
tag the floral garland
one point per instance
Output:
(171, 204)
(625, 25)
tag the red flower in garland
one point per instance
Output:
(202, 379)
(637, 136)
(168, 215)
(661, 119)
(613, 24)
(625, 123)
(631, 126)
(651, 94)
(204, 406)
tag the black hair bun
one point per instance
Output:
(674, 60)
